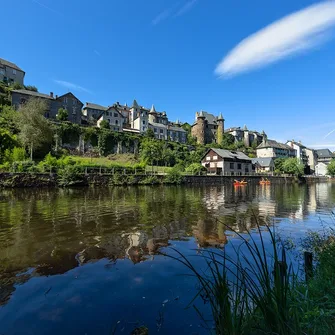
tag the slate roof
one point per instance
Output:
(180, 129)
(325, 153)
(211, 119)
(95, 106)
(9, 64)
(274, 144)
(297, 143)
(33, 94)
(229, 154)
(159, 125)
(264, 162)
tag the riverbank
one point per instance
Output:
(39, 180)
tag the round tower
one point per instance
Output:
(220, 130)
(201, 128)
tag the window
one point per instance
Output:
(239, 166)
(161, 131)
(155, 130)
(74, 102)
(74, 110)
(232, 166)
(2, 71)
(208, 158)
(215, 158)
(14, 71)
(143, 122)
(116, 114)
(116, 122)
(65, 100)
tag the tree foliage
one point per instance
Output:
(228, 141)
(104, 124)
(293, 166)
(331, 168)
(62, 114)
(34, 128)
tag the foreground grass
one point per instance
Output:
(257, 291)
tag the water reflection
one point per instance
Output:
(49, 232)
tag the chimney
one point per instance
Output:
(51, 94)
(56, 96)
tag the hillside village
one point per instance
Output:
(207, 129)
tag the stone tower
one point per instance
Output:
(246, 136)
(220, 130)
(200, 128)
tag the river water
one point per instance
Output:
(85, 261)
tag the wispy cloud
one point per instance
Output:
(162, 16)
(329, 133)
(174, 11)
(97, 52)
(47, 7)
(72, 86)
(297, 32)
(188, 6)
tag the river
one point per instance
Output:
(85, 261)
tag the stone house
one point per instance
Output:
(10, 73)
(321, 169)
(324, 156)
(208, 128)
(248, 137)
(67, 101)
(264, 165)
(274, 149)
(93, 111)
(176, 133)
(114, 117)
(305, 155)
(225, 162)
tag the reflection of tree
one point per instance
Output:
(54, 231)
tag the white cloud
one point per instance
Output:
(174, 11)
(47, 7)
(72, 86)
(188, 6)
(329, 133)
(162, 16)
(294, 33)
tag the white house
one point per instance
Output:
(321, 169)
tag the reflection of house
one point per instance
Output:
(248, 137)
(67, 101)
(208, 128)
(225, 162)
(265, 164)
(271, 148)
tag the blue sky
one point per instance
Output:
(166, 52)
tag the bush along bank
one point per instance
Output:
(73, 177)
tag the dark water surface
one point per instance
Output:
(84, 261)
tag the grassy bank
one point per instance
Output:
(257, 290)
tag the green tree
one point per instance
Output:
(7, 119)
(331, 168)
(279, 164)
(293, 166)
(7, 141)
(195, 168)
(150, 151)
(254, 144)
(104, 124)
(31, 88)
(35, 130)
(228, 140)
(62, 114)
(149, 133)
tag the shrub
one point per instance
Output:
(150, 180)
(195, 168)
(174, 176)
(70, 175)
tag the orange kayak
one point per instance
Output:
(240, 183)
